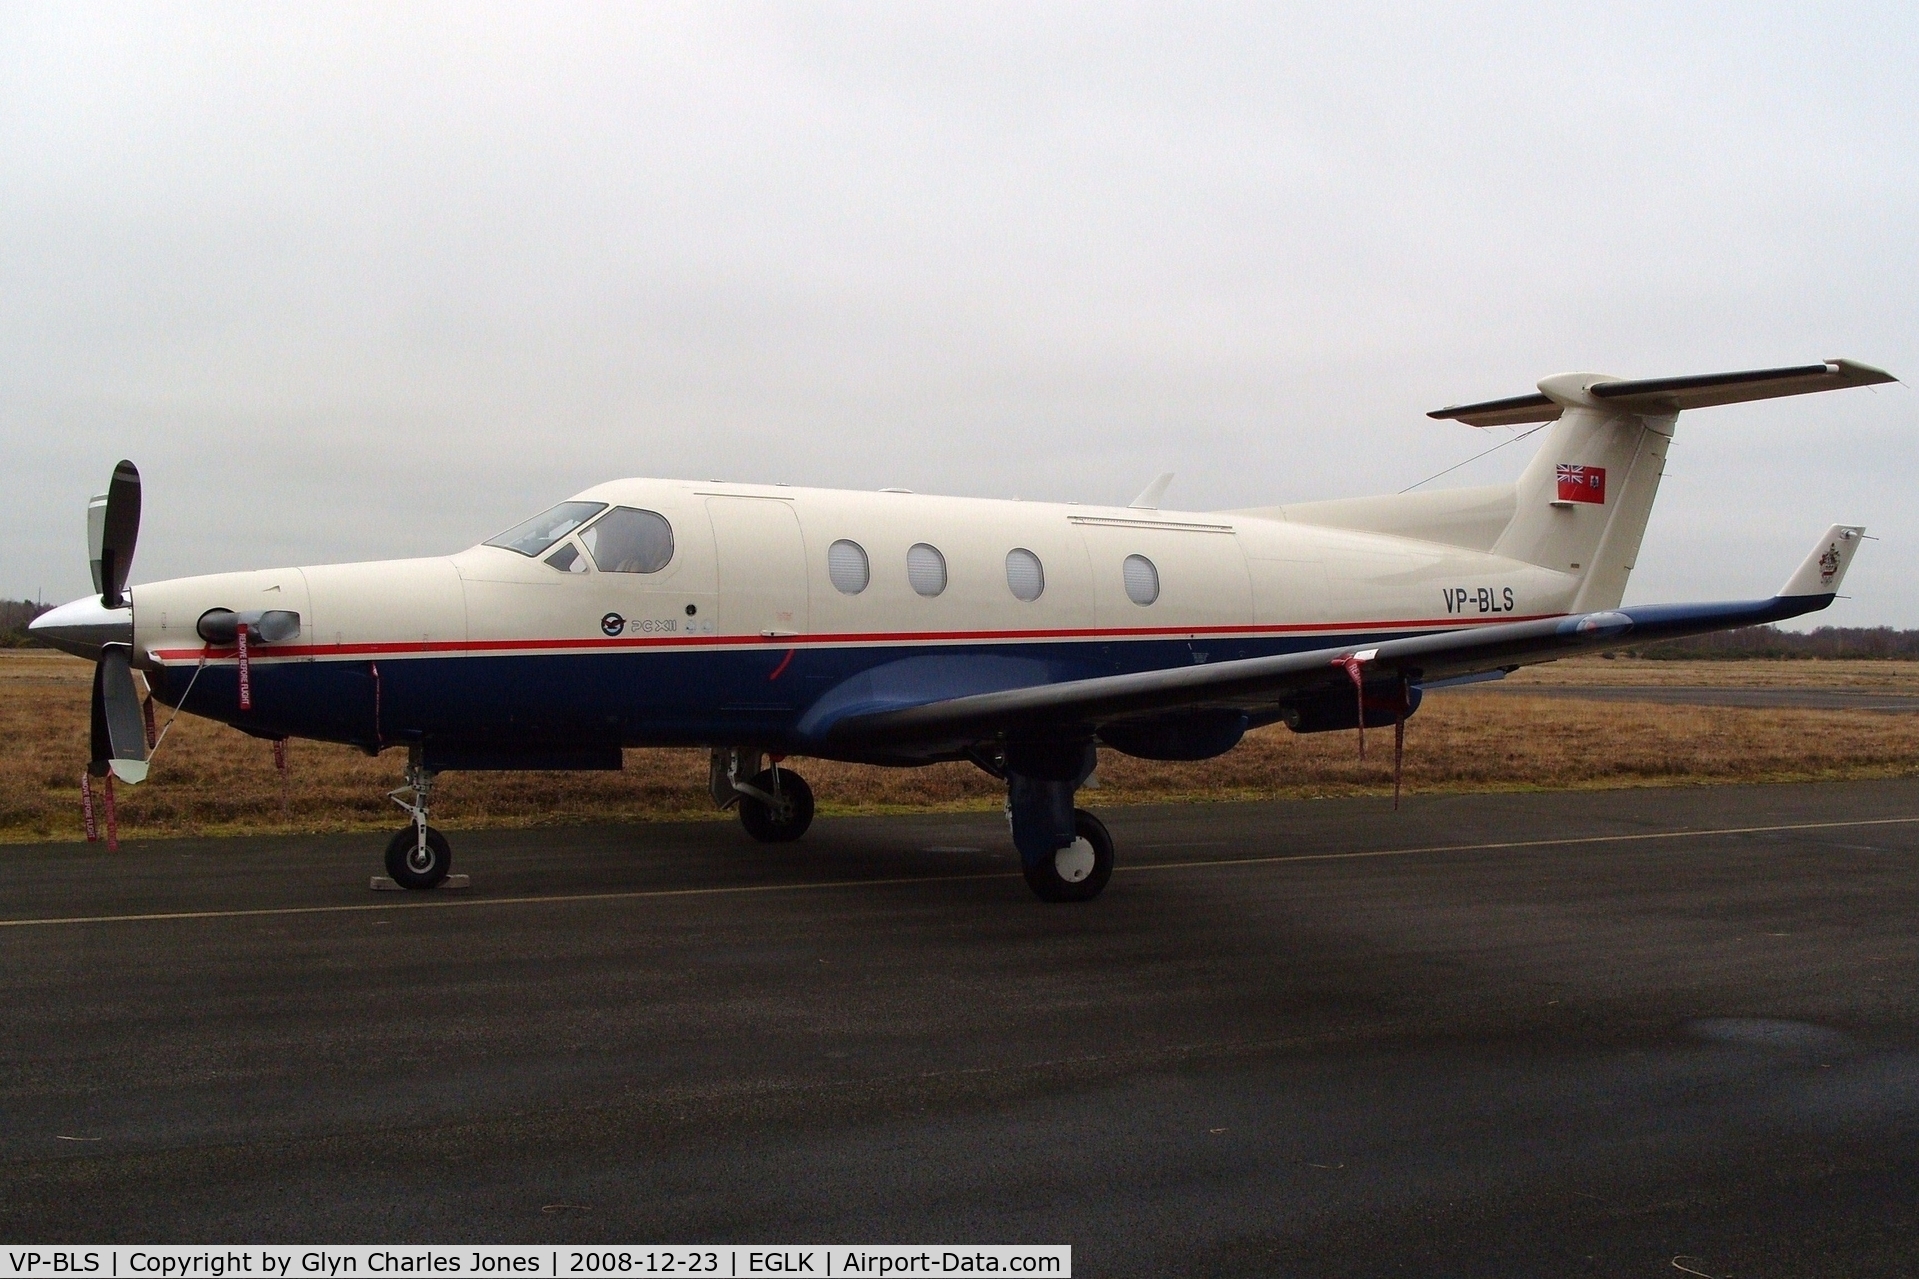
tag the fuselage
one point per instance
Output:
(774, 608)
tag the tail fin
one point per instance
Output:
(1582, 503)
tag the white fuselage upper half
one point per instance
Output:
(655, 612)
(750, 565)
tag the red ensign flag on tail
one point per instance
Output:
(1582, 483)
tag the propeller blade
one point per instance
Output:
(113, 526)
(119, 728)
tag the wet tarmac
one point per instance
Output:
(1506, 1035)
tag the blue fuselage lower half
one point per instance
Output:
(780, 697)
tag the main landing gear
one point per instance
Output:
(776, 804)
(1077, 872)
(417, 856)
(1065, 852)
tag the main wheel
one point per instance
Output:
(411, 866)
(782, 822)
(1077, 872)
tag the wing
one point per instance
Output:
(1261, 687)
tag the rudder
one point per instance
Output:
(1582, 503)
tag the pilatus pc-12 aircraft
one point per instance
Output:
(897, 628)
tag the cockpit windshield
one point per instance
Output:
(540, 532)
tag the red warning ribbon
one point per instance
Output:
(246, 669)
(1352, 665)
(86, 808)
(1399, 754)
(113, 824)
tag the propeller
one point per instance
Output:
(119, 727)
(113, 526)
(102, 629)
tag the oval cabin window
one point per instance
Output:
(1024, 575)
(926, 569)
(628, 541)
(1142, 580)
(846, 565)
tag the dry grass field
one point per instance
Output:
(208, 779)
(1860, 676)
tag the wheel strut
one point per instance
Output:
(417, 793)
(417, 856)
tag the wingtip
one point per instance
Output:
(1857, 374)
(1824, 568)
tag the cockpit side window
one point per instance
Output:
(628, 541)
(537, 534)
(568, 558)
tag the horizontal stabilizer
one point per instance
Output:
(1514, 410)
(1664, 395)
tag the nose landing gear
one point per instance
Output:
(417, 856)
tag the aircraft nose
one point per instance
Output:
(84, 627)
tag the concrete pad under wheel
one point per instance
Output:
(381, 884)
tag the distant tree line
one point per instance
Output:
(1880, 643)
(14, 616)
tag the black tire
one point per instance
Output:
(1064, 877)
(410, 866)
(788, 821)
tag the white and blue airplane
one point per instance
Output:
(902, 629)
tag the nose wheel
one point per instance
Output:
(413, 862)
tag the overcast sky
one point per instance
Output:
(365, 282)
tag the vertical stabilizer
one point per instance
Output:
(1581, 505)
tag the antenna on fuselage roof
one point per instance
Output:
(1148, 500)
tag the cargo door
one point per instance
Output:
(762, 562)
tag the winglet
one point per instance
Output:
(1826, 567)
(1148, 500)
